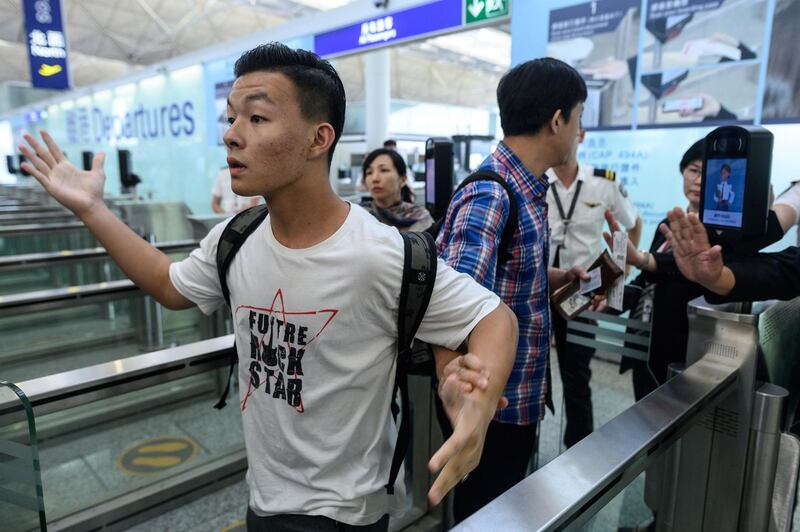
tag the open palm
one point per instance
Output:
(697, 260)
(76, 189)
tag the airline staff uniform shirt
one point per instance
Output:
(725, 193)
(579, 241)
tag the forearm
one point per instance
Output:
(494, 341)
(635, 233)
(442, 357)
(142, 263)
(765, 276)
(216, 205)
(723, 284)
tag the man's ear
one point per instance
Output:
(322, 140)
(556, 121)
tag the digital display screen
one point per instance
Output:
(723, 203)
(430, 181)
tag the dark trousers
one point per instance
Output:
(573, 364)
(506, 452)
(308, 523)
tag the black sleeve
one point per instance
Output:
(666, 270)
(747, 53)
(724, 114)
(632, 69)
(765, 276)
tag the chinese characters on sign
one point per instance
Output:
(47, 45)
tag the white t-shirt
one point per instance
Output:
(230, 202)
(323, 319)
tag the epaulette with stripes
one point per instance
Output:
(611, 175)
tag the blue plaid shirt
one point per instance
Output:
(469, 240)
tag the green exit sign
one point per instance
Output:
(483, 10)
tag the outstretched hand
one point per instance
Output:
(697, 260)
(461, 376)
(78, 190)
(460, 388)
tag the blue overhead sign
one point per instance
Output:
(391, 27)
(47, 44)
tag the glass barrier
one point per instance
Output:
(611, 394)
(107, 456)
(60, 275)
(18, 244)
(132, 441)
(44, 342)
(21, 500)
(627, 510)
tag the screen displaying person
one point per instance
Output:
(724, 194)
(723, 200)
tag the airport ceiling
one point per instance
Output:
(112, 38)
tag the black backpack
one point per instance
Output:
(419, 274)
(504, 253)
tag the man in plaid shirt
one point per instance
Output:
(540, 103)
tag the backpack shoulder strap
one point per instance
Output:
(419, 275)
(231, 240)
(504, 255)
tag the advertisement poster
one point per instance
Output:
(782, 86)
(595, 38)
(680, 70)
(694, 51)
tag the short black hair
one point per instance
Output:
(529, 94)
(320, 90)
(397, 161)
(389, 142)
(696, 152)
(725, 166)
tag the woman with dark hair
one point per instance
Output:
(392, 202)
(665, 296)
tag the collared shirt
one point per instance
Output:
(724, 192)
(581, 241)
(469, 240)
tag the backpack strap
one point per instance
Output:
(419, 275)
(504, 255)
(231, 240)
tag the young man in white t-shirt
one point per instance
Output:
(314, 296)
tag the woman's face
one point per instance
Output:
(383, 181)
(692, 176)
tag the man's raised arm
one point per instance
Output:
(82, 193)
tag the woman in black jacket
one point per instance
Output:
(665, 294)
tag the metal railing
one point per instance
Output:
(566, 492)
(24, 261)
(709, 438)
